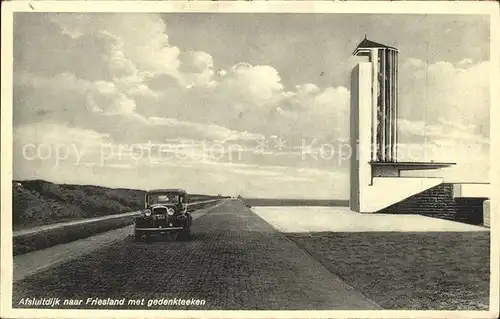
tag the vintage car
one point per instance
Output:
(165, 213)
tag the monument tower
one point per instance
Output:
(376, 180)
(384, 62)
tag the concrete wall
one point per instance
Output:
(360, 131)
(353, 137)
(486, 213)
(472, 190)
(439, 202)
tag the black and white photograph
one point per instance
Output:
(228, 159)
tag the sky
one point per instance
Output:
(250, 104)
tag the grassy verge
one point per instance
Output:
(425, 271)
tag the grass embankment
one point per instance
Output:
(38, 203)
(414, 271)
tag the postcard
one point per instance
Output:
(265, 159)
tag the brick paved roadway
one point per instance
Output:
(235, 261)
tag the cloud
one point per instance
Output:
(415, 130)
(259, 85)
(52, 134)
(471, 161)
(444, 116)
(446, 141)
(40, 149)
(42, 47)
(146, 46)
(86, 156)
(103, 76)
(465, 62)
(444, 91)
(162, 82)
(196, 68)
(65, 93)
(211, 131)
(106, 97)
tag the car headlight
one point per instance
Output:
(170, 211)
(147, 212)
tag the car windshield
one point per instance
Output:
(163, 198)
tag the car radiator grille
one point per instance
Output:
(160, 211)
(160, 216)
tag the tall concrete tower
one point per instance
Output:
(384, 64)
(376, 180)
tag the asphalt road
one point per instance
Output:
(235, 261)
